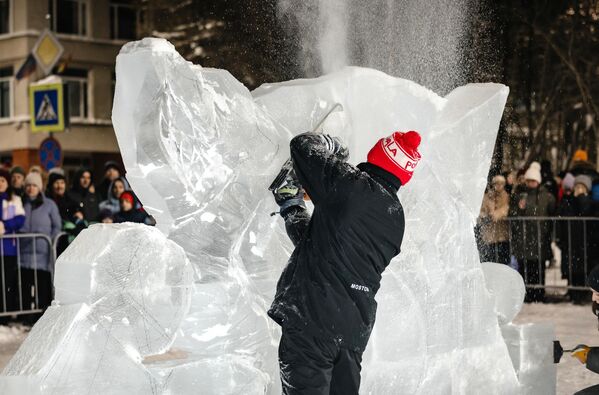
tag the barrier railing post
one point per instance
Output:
(569, 252)
(4, 293)
(577, 253)
(584, 232)
(9, 305)
(540, 261)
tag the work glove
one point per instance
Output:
(580, 352)
(290, 194)
(336, 146)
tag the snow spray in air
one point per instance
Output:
(412, 39)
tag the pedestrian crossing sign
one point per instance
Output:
(46, 103)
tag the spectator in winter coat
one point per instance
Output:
(324, 300)
(533, 250)
(576, 249)
(547, 179)
(83, 193)
(112, 171)
(12, 218)
(128, 211)
(17, 180)
(567, 187)
(41, 216)
(70, 212)
(117, 187)
(494, 225)
(510, 179)
(582, 166)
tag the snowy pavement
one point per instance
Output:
(11, 338)
(574, 325)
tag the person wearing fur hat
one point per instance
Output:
(493, 223)
(84, 194)
(41, 216)
(532, 251)
(324, 299)
(12, 218)
(570, 236)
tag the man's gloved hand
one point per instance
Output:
(580, 352)
(336, 146)
(290, 194)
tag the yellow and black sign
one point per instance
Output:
(46, 104)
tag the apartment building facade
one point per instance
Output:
(91, 32)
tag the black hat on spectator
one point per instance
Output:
(112, 165)
(104, 213)
(52, 178)
(18, 170)
(593, 279)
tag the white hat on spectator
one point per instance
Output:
(56, 170)
(34, 179)
(568, 181)
(498, 179)
(584, 180)
(534, 172)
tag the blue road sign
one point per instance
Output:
(47, 108)
(50, 153)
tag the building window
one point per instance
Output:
(76, 86)
(5, 91)
(4, 16)
(124, 20)
(69, 16)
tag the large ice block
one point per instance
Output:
(507, 287)
(122, 293)
(137, 281)
(531, 349)
(200, 151)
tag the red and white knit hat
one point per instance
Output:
(398, 154)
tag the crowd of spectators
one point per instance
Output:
(527, 216)
(36, 202)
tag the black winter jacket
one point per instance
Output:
(331, 279)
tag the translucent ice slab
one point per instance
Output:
(200, 151)
(122, 292)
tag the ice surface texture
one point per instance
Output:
(122, 292)
(200, 150)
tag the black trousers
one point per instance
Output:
(497, 252)
(37, 292)
(314, 366)
(9, 282)
(533, 273)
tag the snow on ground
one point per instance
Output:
(574, 325)
(11, 338)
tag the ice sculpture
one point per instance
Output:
(200, 151)
(121, 294)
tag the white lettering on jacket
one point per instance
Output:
(360, 287)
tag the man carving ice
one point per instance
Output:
(325, 297)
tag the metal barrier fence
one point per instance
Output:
(15, 297)
(530, 242)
